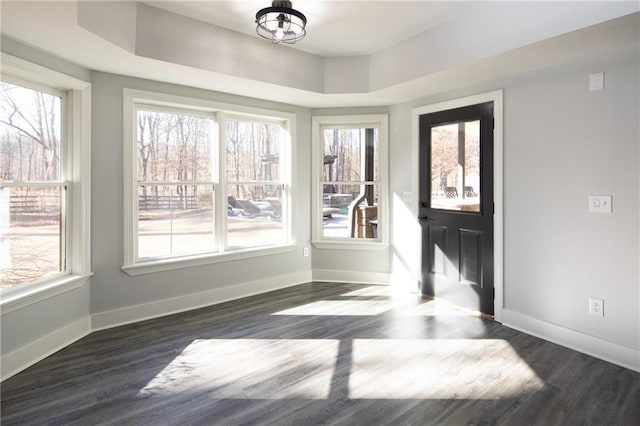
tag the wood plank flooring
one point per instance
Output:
(320, 354)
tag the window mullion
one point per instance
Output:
(221, 205)
(286, 167)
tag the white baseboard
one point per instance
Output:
(354, 277)
(131, 314)
(24, 357)
(612, 352)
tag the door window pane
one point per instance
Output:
(254, 215)
(175, 220)
(455, 166)
(31, 234)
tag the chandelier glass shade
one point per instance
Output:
(280, 23)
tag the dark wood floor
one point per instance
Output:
(320, 354)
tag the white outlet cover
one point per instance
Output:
(596, 306)
(600, 203)
(596, 81)
(407, 196)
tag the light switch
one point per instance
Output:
(600, 203)
(596, 81)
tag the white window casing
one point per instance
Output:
(218, 113)
(76, 166)
(321, 123)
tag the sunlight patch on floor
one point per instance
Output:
(371, 290)
(436, 308)
(439, 369)
(249, 369)
(339, 308)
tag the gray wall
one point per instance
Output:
(111, 288)
(561, 144)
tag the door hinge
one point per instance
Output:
(493, 291)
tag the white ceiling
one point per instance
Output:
(356, 53)
(334, 28)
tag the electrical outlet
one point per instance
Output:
(596, 306)
(305, 252)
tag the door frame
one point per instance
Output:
(498, 217)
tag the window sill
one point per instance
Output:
(150, 267)
(22, 296)
(350, 245)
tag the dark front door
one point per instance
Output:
(456, 205)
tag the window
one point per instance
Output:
(44, 182)
(205, 182)
(350, 181)
(33, 187)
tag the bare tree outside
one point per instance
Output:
(255, 183)
(32, 192)
(175, 188)
(455, 166)
(349, 174)
(177, 172)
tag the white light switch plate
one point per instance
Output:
(596, 81)
(600, 203)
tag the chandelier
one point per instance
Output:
(280, 23)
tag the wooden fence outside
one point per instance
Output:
(49, 203)
(167, 202)
(34, 203)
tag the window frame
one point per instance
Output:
(320, 123)
(76, 177)
(219, 112)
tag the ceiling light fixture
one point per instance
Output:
(280, 23)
